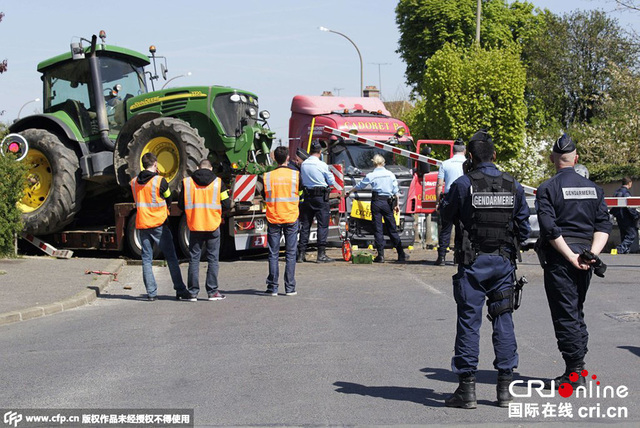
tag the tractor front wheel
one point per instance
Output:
(54, 188)
(178, 147)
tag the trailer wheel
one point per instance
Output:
(183, 236)
(134, 243)
(54, 188)
(178, 147)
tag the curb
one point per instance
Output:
(79, 299)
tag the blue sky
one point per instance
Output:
(272, 48)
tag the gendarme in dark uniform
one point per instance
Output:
(573, 217)
(493, 217)
(316, 180)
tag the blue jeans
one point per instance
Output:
(210, 241)
(471, 285)
(162, 236)
(290, 231)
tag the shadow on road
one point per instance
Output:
(633, 349)
(425, 396)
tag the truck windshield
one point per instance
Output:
(359, 156)
(235, 111)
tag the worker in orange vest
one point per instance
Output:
(281, 188)
(152, 197)
(203, 200)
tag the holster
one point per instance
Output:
(540, 247)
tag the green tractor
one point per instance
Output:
(99, 119)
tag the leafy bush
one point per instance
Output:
(12, 176)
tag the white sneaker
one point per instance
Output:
(293, 293)
(267, 293)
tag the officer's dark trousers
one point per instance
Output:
(444, 236)
(566, 289)
(628, 234)
(313, 207)
(471, 285)
(381, 209)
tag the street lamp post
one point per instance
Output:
(174, 78)
(355, 46)
(23, 106)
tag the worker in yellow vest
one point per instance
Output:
(281, 188)
(203, 200)
(152, 197)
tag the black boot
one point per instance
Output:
(440, 260)
(566, 377)
(322, 256)
(502, 389)
(302, 257)
(465, 396)
(380, 257)
(402, 256)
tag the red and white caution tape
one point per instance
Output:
(47, 248)
(630, 202)
(244, 188)
(382, 146)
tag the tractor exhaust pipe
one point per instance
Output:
(101, 107)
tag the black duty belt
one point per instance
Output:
(315, 191)
(575, 240)
(375, 196)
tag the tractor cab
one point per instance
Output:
(72, 86)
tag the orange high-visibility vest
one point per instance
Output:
(281, 195)
(202, 205)
(152, 208)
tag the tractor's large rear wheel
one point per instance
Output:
(178, 147)
(54, 188)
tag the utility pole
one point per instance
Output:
(478, 17)
(379, 74)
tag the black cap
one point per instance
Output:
(481, 135)
(564, 145)
(459, 142)
(316, 147)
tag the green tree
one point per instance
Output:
(465, 89)
(568, 67)
(608, 145)
(426, 25)
(12, 176)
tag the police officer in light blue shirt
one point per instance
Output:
(316, 180)
(384, 188)
(449, 172)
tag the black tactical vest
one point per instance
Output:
(491, 230)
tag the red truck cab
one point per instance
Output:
(369, 118)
